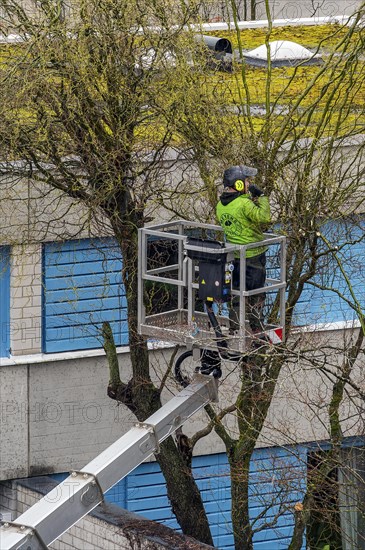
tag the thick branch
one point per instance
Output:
(216, 424)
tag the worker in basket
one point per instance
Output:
(243, 210)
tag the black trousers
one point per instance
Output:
(255, 278)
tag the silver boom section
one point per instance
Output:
(82, 491)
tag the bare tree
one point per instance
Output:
(312, 182)
(90, 107)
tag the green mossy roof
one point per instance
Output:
(326, 37)
(286, 85)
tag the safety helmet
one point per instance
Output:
(234, 173)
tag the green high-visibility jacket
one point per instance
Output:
(242, 219)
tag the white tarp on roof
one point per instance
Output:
(282, 50)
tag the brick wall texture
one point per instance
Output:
(25, 299)
(95, 533)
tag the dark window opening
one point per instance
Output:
(324, 523)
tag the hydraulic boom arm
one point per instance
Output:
(82, 491)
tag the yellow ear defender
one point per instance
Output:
(239, 185)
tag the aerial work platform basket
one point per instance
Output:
(185, 270)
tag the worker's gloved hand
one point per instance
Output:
(255, 191)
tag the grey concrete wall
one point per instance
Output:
(14, 435)
(216, 10)
(296, 9)
(32, 212)
(56, 416)
(287, 9)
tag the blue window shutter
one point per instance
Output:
(277, 483)
(317, 305)
(82, 288)
(277, 477)
(5, 301)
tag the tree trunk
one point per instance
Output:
(253, 10)
(296, 542)
(242, 531)
(252, 405)
(183, 493)
(143, 399)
